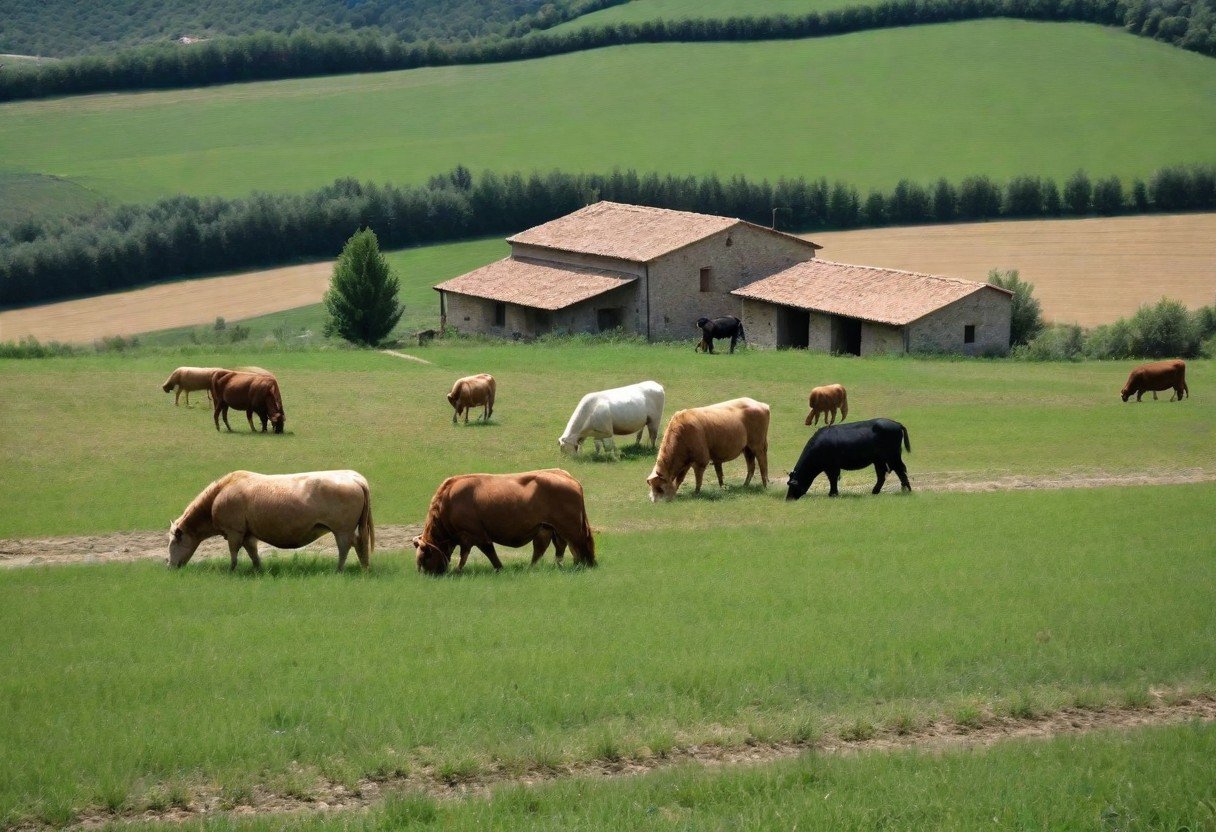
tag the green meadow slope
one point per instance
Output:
(993, 97)
(643, 11)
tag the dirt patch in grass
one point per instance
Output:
(984, 729)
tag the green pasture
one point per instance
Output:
(644, 11)
(1146, 779)
(985, 97)
(23, 195)
(726, 618)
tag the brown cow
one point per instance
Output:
(190, 380)
(825, 401)
(718, 433)
(251, 392)
(471, 391)
(509, 509)
(1159, 375)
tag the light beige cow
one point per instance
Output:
(190, 380)
(473, 391)
(699, 436)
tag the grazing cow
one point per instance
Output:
(471, 391)
(251, 392)
(286, 511)
(508, 509)
(190, 380)
(725, 327)
(1159, 375)
(616, 412)
(851, 447)
(696, 437)
(826, 401)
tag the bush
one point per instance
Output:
(1166, 330)
(1026, 317)
(1055, 343)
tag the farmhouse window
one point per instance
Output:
(969, 334)
(705, 279)
(500, 314)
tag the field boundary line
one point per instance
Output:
(942, 734)
(407, 357)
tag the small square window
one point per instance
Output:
(500, 314)
(969, 334)
(705, 279)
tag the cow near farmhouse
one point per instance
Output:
(286, 511)
(473, 391)
(725, 327)
(718, 433)
(251, 392)
(190, 380)
(508, 509)
(616, 412)
(1158, 375)
(850, 448)
(825, 401)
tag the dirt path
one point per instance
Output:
(396, 354)
(1164, 708)
(126, 547)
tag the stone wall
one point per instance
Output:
(475, 316)
(942, 331)
(878, 339)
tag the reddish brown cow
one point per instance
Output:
(825, 401)
(508, 509)
(473, 391)
(1158, 375)
(251, 392)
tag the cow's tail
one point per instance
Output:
(589, 549)
(367, 527)
(742, 334)
(907, 443)
(844, 409)
(278, 397)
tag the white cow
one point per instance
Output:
(616, 412)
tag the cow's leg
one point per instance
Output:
(264, 417)
(698, 472)
(718, 471)
(610, 444)
(492, 555)
(1139, 393)
(750, 458)
(833, 479)
(901, 471)
(762, 459)
(177, 395)
(559, 548)
(652, 428)
(830, 419)
(466, 414)
(880, 469)
(234, 548)
(187, 398)
(455, 413)
(464, 556)
(540, 543)
(226, 419)
(709, 341)
(734, 339)
(215, 413)
(637, 440)
(251, 546)
(344, 542)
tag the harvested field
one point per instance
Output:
(1085, 271)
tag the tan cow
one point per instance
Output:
(1158, 375)
(251, 392)
(473, 391)
(508, 509)
(825, 401)
(190, 380)
(715, 434)
(286, 511)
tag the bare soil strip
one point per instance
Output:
(126, 547)
(329, 796)
(396, 354)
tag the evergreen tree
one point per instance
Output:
(362, 297)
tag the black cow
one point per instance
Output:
(851, 447)
(727, 327)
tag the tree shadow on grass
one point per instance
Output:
(477, 423)
(290, 566)
(628, 453)
(713, 494)
(479, 568)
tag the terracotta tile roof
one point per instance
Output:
(637, 233)
(531, 283)
(887, 296)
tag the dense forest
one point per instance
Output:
(266, 56)
(61, 28)
(140, 244)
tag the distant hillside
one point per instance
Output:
(71, 27)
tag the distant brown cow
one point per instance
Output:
(509, 509)
(251, 392)
(473, 391)
(715, 434)
(1159, 375)
(190, 380)
(825, 401)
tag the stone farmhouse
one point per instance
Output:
(654, 271)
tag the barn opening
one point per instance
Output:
(500, 314)
(705, 279)
(846, 335)
(969, 334)
(793, 328)
(607, 320)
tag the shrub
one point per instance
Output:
(1165, 330)
(362, 296)
(1026, 317)
(1055, 343)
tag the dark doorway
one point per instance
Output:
(846, 336)
(607, 320)
(793, 328)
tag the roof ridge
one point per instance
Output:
(942, 277)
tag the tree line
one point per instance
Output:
(133, 245)
(1189, 25)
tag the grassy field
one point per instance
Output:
(828, 107)
(642, 11)
(26, 194)
(713, 619)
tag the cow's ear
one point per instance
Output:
(177, 533)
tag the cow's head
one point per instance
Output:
(430, 558)
(1125, 393)
(797, 487)
(701, 322)
(662, 487)
(570, 446)
(168, 386)
(181, 546)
